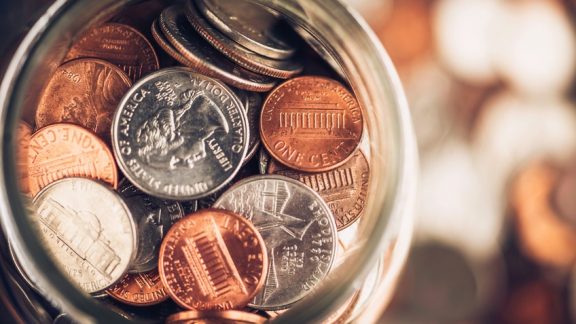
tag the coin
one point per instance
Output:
(23, 136)
(250, 25)
(93, 242)
(344, 189)
(140, 289)
(213, 317)
(212, 260)
(311, 124)
(298, 229)
(252, 103)
(179, 135)
(66, 150)
(281, 69)
(85, 92)
(263, 160)
(175, 35)
(118, 44)
(153, 217)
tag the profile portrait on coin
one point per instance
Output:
(176, 136)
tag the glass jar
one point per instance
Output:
(377, 244)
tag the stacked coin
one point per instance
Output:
(145, 177)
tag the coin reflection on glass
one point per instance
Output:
(85, 92)
(92, 242)
(119, 44)
(180, 135)
(212, 317)
(23, 136)
(140, 289)
(344, 189)
(311, 124)
(298, 229)
(153, 218)
(212, 260)
(66, 150)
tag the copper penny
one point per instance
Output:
(140, 289)
(213, 317)
(85, 92)
(23, 135)
(65, 150)
(213, 260)
(344, 189)
(311, 124)
(118, 44)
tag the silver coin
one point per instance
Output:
(153, 217)
(179, 135)
(298, 229)
(263, 160)
(88, 229)
(242, 56)
(252, 103)
(174, 33)
(250, 25)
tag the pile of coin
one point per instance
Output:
(145, 180)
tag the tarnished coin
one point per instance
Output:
(175, 35)
(282, 69)
(153, 217)
(344, 189)
(311, 124)
(215, 317)
(250, 25)
(23, 136)
(118, 44)
(298, 229)
(92, 241)
(66, 150)
(180, 135)
(252, 103)
(212, 260)
(85, 92)
(140, 289)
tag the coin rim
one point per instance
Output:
(230, 315)
(321, 201)
(264, 138)
(123, 205)
(118, 114)
(206, 212)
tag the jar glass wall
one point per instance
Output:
(377, 243)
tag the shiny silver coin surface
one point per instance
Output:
(173, 33)
(282, 69)
(250, 25)
(179, 135)
(298, 229)
(153, 217)
(87, 229)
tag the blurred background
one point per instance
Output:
(492, 90)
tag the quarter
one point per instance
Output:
(180, 135)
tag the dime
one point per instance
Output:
(213, 317)
(179, 135)
(299, 232)
(23, 136)
(175, 35)
(212, 260)
(252, 103)
(85, 92)
(250, 25)
(93, 242)
(66, 150)
(344, 189)
(153, 217)
(141, 289)
(282, 69)
(118, 44)
(311, 124)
